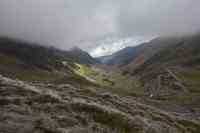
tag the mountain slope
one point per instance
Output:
(81, 56)
(170, 75)
(185, 53)
(50, 108)
(119, 58)
(37, 55)
(72, 102)
(166, 70)
(141, 52)
(20, 59)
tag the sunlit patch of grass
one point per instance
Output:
(80, 74)
(84, 70)
(112, 81)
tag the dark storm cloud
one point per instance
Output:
(56, 22)
(144, 17)
(65, 23)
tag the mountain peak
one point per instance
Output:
(112, 45)
(75, 48)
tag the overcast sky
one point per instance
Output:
(65, 23)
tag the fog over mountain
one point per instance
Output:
(99, 66)
(112, 45)
(66, 23)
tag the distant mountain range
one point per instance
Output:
(128, 54)
(80, 56)
(168, 50)
(121, 57)
(112, 45)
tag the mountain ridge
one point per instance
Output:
(24, 60)
(49, 90)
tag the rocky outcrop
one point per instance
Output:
(48, 108)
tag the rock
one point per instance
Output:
(43, 108)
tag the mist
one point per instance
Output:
(67, 23)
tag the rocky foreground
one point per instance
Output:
(48, 108)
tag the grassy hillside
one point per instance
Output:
(35, 63)
(32, 62)
(172, 73)
(111, 80)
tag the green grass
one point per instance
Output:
(191, 126)
(7, 60)
(185, 99)
(192, 79)
(14, 68)
(192, 75)
(112, 81)
(38, 76)
(82, 75)
(112, 119)
(84, 70)
(29, 75)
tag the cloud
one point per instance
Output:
(65, 23)
(112, 45)
(62, 22)
(156, 17)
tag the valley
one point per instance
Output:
(99, 66)
(112, 79)
(149, 88)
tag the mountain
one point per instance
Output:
(154, 89)
(81, 56)
(38, 55)
(129, 54)
(134, 56)
(19, 57)
(147, 50)
(119, 58)
(166, 70)
(111, 45)
(184, 53)
(169, 71)
(180, 51)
